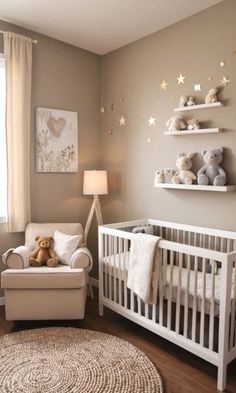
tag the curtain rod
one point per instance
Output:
(33, 41)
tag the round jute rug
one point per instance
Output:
(69, 360)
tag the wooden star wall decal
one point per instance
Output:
(122, 120)
(224, 81)
(181, 79)
(163, 85)
(152, 121)
(197, 87)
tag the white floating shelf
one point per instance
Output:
(201, 106)
(196, 187)
(200, 131)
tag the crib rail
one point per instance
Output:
(190, 298)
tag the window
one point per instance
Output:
(3, 160)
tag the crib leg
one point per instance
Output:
(221, 377)
(100, 311)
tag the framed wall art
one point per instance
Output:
(56, 140)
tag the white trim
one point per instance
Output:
(94, 282)
(195, 187)
(199, 131)
(2, 300)
(201, 106)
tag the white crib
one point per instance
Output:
(196, 291)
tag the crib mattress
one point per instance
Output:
(118, 265)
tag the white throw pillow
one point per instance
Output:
(65, 245)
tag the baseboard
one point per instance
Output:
(2, 300)
(94, 282)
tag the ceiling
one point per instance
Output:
(99, 26)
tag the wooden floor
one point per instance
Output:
(182, 372)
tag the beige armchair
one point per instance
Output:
(37, 293)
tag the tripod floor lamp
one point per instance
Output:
(95, 183)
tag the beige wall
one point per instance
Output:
(194, 47)
(64, 77)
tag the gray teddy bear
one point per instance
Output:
(212, 173)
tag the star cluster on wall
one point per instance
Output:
(164, 86)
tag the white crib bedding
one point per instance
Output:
(118, 265)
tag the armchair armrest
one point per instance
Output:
(81, 259)
(17, 258)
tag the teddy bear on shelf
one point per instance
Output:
(212, 173)
(211, 96)
(43, 254)
(193, 124)
(190, 101)
(159, 177)
(183, 101)
(184, 164)
(168, 174)
(175, 123)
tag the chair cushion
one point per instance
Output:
(60, 277)
(47, 229)
(65, 245)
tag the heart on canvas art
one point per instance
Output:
(56, 126)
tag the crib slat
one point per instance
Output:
(115, 268)
(109, 265)
(203, 302)
(169, 305)
(232, 327)
(194, 315)
(160, 286)
(139, 305)
(106, 266)
(177, 320)
(125, 271)
(120, 270)
(212, 307)
(186, 299)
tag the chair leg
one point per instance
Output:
(90, 291)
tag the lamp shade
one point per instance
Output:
(95, 183)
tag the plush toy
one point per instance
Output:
(175, 123)
(183, 101)
(212, 173)
(190, 101)
(44, 254)
(193, 124)
(159, 177)
(184, 175)
(211, 96)
(168, 174)
(148, 229)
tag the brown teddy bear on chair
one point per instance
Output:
(44, 254)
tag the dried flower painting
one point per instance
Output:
(56, 141)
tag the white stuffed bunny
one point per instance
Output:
(184, 175)
(175, 123)
(159, 177)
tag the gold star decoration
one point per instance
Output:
(103, 109)
(222, 64)
(181, 79)
(224, 81)
(210, 77)
(152, 121)
(197, 87)
(163, 85)
(122, 120)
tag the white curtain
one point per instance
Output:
(18, 55)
